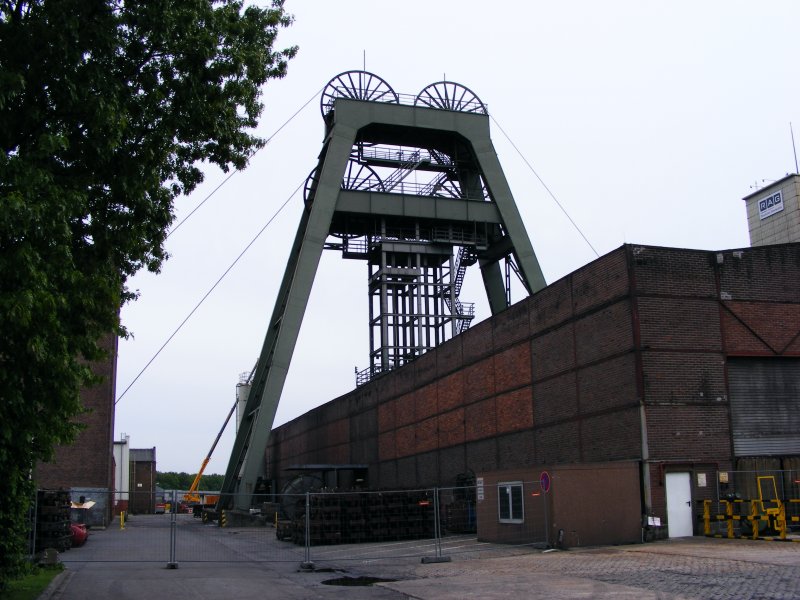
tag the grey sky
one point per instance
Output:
(648, 120)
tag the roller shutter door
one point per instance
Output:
(765, 406)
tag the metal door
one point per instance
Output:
(679, 505)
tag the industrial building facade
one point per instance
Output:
(665, 364)
(86, 467)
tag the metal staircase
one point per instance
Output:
(467, 256)
(463, 312)
(403, 171)
(434, 186)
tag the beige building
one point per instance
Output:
(773, 212)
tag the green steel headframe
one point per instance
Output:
(412, 186)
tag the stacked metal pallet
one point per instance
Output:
(363, 517)
(460, 517)
(52, 520)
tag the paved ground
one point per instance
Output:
(688, 568)
(248, 563)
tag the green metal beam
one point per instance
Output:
(384, 122)
(421, 207)
(248, 459)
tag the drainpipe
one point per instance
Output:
(647, 493)
(152, 490)
(646, 486)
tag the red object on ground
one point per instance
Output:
(79, 534)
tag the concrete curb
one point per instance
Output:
(53, 591)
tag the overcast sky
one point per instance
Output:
(649, 121)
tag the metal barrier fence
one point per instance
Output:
(754, 519)
(745, 484)
(759, 504)
(315, 527)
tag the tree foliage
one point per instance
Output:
(170, 480)
(107, 107)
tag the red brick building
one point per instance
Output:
(87, 466)
(680, 362)
(142, 468)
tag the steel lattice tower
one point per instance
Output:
(412, 186)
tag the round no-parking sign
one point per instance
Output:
(544, 481)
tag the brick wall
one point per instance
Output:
(142, 497)
(765, 274)
(504, 394)
(569, 375)
(695, 309)
(582, 503)
(89, 462)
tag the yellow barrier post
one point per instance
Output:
(729, 518)
(774, 519)
(780, 520)
(122, 520)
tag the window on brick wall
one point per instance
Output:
(509, 502)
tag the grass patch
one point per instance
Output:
(31, 585)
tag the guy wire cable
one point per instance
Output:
(544, 185)
(235, 171)
(208, 293)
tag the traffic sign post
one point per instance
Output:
(544, 481)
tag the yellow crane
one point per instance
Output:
(192, 497)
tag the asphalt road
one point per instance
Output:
(243, 563)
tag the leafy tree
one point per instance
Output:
(170, 480)
(106, 109)
(212, 482)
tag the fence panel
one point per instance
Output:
(514, 513)
(111, 533)
(321, 527)
(235, 536)
(747, 503)
(428, 524)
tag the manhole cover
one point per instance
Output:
(356, 581)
